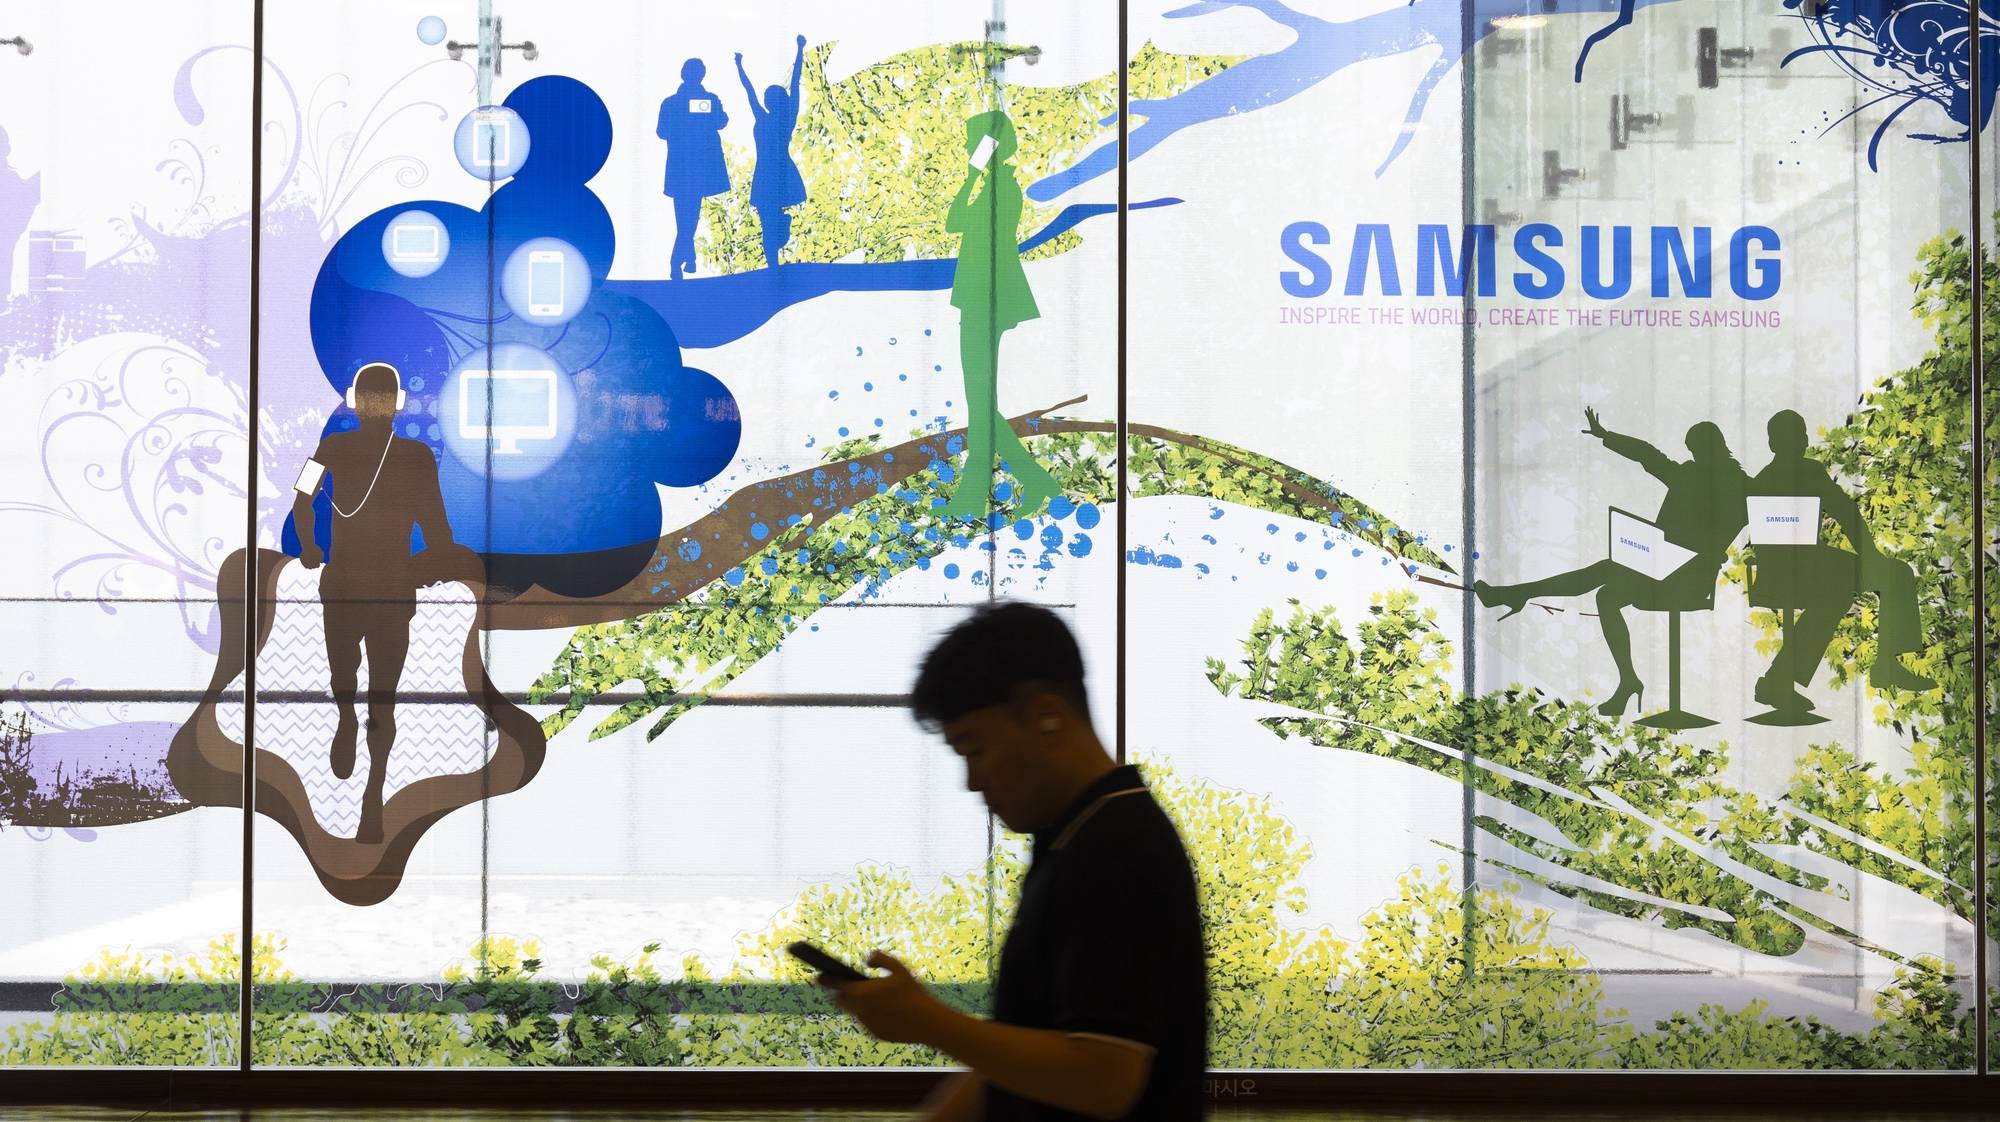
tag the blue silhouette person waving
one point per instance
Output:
(691, 121)
(776, 185)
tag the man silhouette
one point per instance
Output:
(380, 486)
(1100, 1001)
(691, 121)
(1824, 581)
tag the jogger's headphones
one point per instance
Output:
(402, 398)
(352, 403)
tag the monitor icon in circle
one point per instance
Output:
(506, 406)
(415, 244)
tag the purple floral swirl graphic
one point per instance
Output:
(142, 455)
(67, 714)
(134, 396)
(324, 163)
(135, 459)
(336, 164)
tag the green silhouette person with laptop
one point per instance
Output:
(1668, 564)
(1790, 571)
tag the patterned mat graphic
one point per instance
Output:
(432, 738)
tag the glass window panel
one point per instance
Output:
(1790, 650)
(714, 551)
(372, 824)
(1292, 453)
(1545, 551)
(1989, 33)
(124, 341)
(1657, 885)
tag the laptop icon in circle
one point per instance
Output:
(414, 244)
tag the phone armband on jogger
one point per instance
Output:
(309, 477)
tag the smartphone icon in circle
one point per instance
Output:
(545, 283)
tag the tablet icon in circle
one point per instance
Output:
(491, 142)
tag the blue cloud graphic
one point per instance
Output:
(641, 415)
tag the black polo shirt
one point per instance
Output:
(1107, 941)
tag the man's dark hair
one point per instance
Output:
(1001, 656)
(377, 377)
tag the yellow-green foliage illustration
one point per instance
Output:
(1393, 993)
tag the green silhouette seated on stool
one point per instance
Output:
(1822, 582)
(990, 291)
(1703, 511)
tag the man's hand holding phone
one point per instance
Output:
(832, 971)
(893, 1007)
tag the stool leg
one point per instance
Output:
(1785, 636)
(1674, 661)
(1674, 717)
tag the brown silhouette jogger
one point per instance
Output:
(381, 485)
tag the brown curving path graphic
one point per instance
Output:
(206, 764)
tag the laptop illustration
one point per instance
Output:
(1643, 547)
(1784, 520)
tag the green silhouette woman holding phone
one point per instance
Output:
(990, 291)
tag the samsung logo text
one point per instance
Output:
(1546, 261)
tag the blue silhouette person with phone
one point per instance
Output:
(691, 122)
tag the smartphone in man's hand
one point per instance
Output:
(831, 969)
